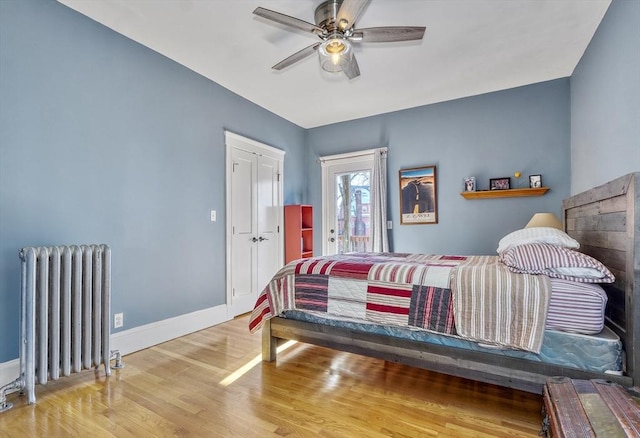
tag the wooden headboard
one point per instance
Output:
(606, 222)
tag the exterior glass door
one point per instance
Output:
(346, 208)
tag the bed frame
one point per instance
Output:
(605, 220)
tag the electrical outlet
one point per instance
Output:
(118, 320)
(213, 215)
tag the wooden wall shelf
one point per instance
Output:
(510, 193)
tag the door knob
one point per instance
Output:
(332, 239)
(253, 239)
(262, 238)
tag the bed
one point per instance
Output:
(604, 221)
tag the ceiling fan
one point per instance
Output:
(334, 25)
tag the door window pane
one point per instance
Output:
(353, 211)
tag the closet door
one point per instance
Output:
(254, 218)
(244, 240)
(269, 219)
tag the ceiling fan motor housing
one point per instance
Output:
(326, 13)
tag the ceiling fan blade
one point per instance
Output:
(350, 69)
(287, 20)
(388, 34)
(297, 56)
(349, 12)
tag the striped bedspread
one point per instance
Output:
(474, 297)
(494, 305)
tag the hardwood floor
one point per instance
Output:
(213, 384)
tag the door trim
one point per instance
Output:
(236, 141)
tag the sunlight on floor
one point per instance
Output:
(253, 362)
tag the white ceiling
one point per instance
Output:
(470, 47)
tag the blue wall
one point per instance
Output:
(524, 129)
(104, 140)
(144, 136)
(605, 101)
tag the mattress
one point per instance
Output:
(599, 353)
(576, 307)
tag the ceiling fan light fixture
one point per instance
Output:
(335, 47)
(334, 53)
(335, 22)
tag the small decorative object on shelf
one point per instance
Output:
(500, 183)
(535, 181)
(470, 184)
(517, 174)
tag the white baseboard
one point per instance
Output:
(139, 338)
(146, 336)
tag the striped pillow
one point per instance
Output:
(556, 262)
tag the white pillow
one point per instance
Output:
(551, 236)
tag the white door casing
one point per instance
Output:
(254, 219)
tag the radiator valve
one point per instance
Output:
(115, 354)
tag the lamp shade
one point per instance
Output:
(544, 220)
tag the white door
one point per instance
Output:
(254, 220)
(244, 241)
(269, 220)
(346, 203)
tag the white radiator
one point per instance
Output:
(65, 314)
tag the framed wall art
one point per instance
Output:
(470, 184)
(418, 196)
(500, 183)
(535, 181)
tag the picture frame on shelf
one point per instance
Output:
(418, 196)
(503, 183)
(535, 181)
(470, 184)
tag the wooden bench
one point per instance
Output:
(590, 408)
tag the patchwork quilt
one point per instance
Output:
(474, 297)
